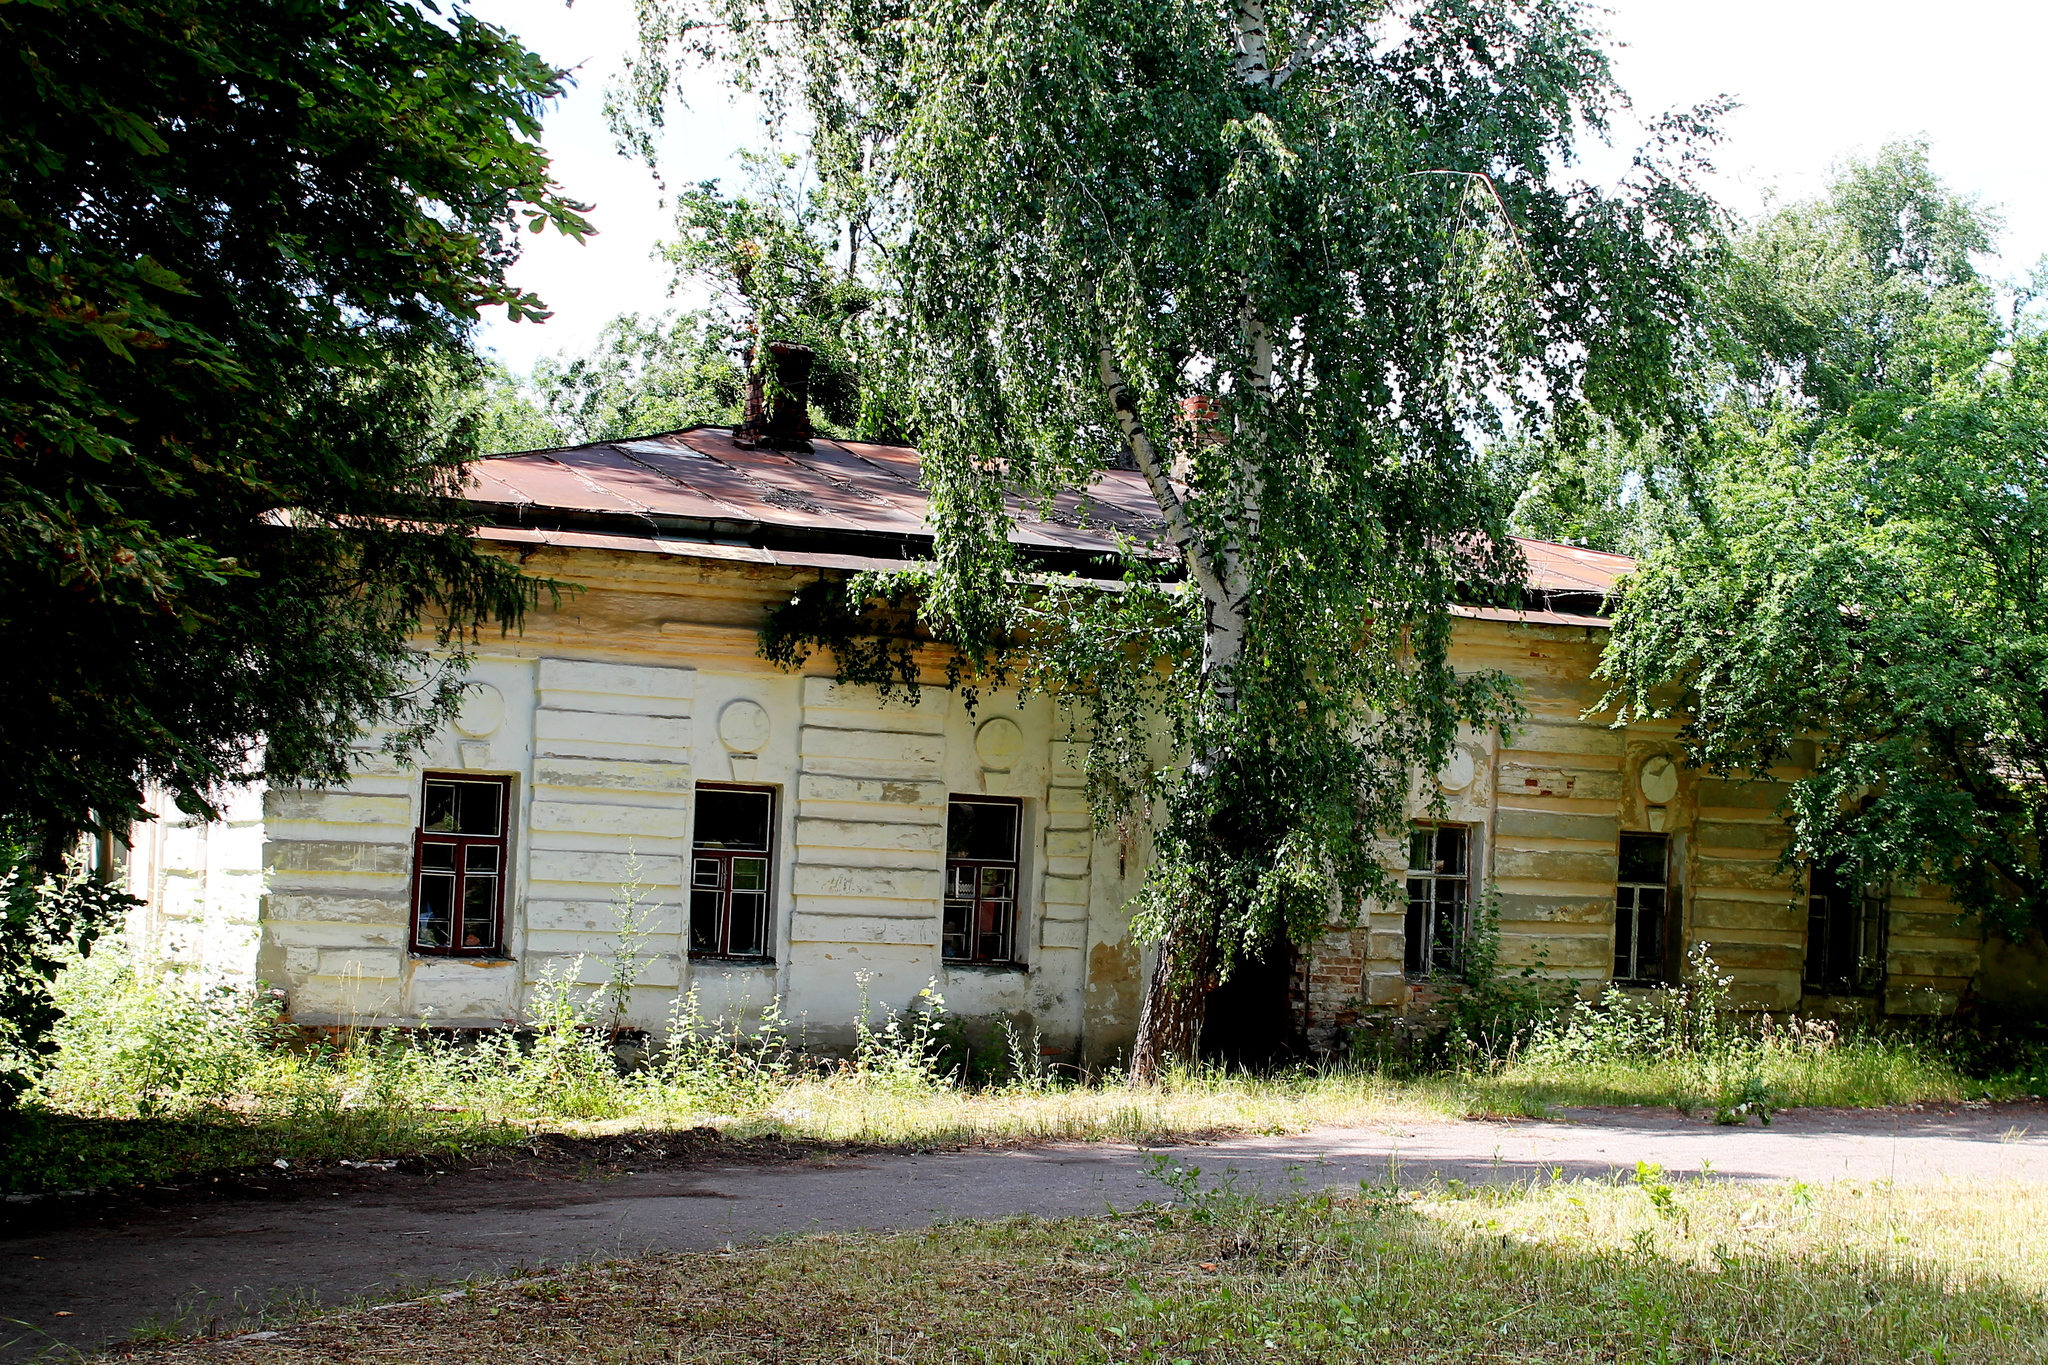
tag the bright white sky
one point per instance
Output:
(1818, 80)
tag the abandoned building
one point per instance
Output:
(816, 845)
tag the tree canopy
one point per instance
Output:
(642, 374)
(1289, 261)
(243, 244)
(1859, 586)
(769, 261)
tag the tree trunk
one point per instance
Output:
(1170, 1020)
(1176, 995)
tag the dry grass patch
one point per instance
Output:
(1567, 1272)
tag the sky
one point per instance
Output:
(1817, 80)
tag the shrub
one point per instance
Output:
(46, 923)
(137, 1041)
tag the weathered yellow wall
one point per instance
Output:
(608, 709)
(1547, 808)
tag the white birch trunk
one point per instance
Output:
(1170, 1021)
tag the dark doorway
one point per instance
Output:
(1250, 1018)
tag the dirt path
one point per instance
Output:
(79, 1276)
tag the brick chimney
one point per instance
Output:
(783, 422)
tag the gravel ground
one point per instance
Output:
(215, 1252)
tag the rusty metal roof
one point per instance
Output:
(845, 499)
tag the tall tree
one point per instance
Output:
(774, 271)
(243, 244)
(1287, 261)
(1865, 582)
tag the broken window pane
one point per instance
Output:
(1436, 919)
(983, 831)
(1641, 909)
(733, 819)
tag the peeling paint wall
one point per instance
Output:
(605, 714)
(201, 887)
(609, 708)
(1547, 807)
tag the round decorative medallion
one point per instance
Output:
(1659, 779)
(1457, 772)
(483, 711)
(998, 744)
(743, 726)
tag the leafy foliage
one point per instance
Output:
(1866, 581)
(1288, 261)
(46, 921)
(1599, 487)
(644, 374)
(767, 258)
(242, 245)
(768, 263)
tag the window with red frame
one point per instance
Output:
(982, 835)
(730, 856)
(458, 866)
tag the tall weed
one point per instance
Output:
(1684, 1045)
(137, 1041)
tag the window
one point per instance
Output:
(458, 866)
(729, 866)
(1845, 936)
(1437, 900)
(1642, 906)
(981, 880)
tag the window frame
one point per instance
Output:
(1014, 865)
(1870, 929)
(1658, 970)
(726, 890)
(422, 838)
(1434, 949)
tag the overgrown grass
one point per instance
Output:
(1628, 1271)
(155, 1078)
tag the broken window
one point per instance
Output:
(729, 872)
(1845, 936)
(1642, 910)
(1438, 899)
(459, 865)
(981, 879)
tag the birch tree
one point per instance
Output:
(1293, 263)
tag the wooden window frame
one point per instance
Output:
(1431, 941)
(460, 867)
(1868, 915)
(725, 889)
(1629, 915)
(972, 873)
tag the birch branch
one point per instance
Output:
(1317, 44)
(1139, 442)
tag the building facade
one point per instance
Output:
(629, 761)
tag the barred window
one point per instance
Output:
(1642, 909)
(730, 867)
(459, 862)
(981, 879)
(1438, 897)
